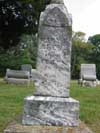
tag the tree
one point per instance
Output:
(17, 17)
(81, 53)
(79, 36)
(19, 21)
(95, 40)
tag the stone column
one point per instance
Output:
(54, 52)
(51, 104)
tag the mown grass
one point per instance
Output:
(11, 101)
(89, 104)
(12, 97)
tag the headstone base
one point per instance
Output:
(52, 111)
(16, 127)
(89, 83)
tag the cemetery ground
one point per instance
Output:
(11, 103)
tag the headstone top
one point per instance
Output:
(89, 69)
(57, 1)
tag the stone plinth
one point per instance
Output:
(40, 110)
(16, 127)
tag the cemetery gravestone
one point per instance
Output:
(88, 75)
(27, 67)
(51, 104)
(17, 77)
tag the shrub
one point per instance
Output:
(24, 53)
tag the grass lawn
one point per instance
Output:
(11, 103)
(89, 104)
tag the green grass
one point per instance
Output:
(11, 101)
(12, 97)
(89, 104)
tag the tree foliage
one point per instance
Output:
(24, 53)
(79, 36)
(19, 21)
(95, 40)
(81, 53)
(18, 17)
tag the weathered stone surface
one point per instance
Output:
(89, 83)
(50, 106)
(88, 75)
(18, 81)
(27, 67)
(17, 77)
(55, 15)
(17, 74)
(54, 111)
(16, 127)
(54, 52)
(89, 70)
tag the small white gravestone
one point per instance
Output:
(88, 75)
(51, 104)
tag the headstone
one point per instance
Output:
(27, 67)
(17, 77)
(88, 75)
(54, 52)
(51, 104)
(88, 69)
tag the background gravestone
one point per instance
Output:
(51, 104)
(88, 75)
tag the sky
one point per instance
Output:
(85, 15)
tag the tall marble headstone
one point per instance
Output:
(51, 104)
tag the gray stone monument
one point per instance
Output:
(51, 104)
(88, 75)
